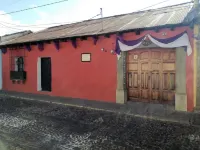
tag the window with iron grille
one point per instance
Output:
(17, 63)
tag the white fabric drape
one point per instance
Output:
(182, 41)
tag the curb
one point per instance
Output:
(188, 119)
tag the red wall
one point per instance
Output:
(95, 80)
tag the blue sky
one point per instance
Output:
(69, 11)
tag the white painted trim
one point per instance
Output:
(180, 42)
(16, 67)
(39, 86)
(181, 102)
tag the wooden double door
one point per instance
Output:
(151, 75)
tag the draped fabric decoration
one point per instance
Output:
(57, 45)
(41, 46)
(95, 38)
(180, 40)
(4, 50)
(28, 47)
(74, 44)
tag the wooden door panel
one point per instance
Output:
(144, 66)
(133, 84)
(169, 81)
(155, 79)
(155, 86)
(144, 55)
(145, 80)
(133, 79)
(165, 81)
(172, 55)
(155, 76)
(145, 85)
(155, 95)
(169, 55)
(171, 96)
(168, 96)
(155, 66)
(130, 81)
(165, 96)
(133, 66)
(134, 94)
(151, 74)
(145, 95)
(168, 86)
(168, 66)
(156, 55)
(172, 81)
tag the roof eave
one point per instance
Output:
(100, 34)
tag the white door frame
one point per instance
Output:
(39, 85)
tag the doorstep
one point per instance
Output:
(161, 112)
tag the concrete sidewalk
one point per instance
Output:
(137, 109)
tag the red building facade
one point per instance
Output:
(94, 80)
(148, 56)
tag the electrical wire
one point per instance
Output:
(42, 25)
(10, 27)
(141, 17)
(5, 26)
(1, 26)
(75, 23)
(154, 5)
(38, 25)
(17, 11)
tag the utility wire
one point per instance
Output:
(140, 19)
(13, 26)
(2, 25)
(154, 5)
(5, 26)
(74, 23)
(38, 25)
(17, 11)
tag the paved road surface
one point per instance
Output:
(34, 126)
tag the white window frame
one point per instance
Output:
(16, 67)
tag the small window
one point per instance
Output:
(19, 64)
(85, 57)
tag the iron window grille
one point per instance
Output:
(17, 63)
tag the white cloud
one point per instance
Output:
(6, 18)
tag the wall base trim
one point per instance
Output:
(121, 96)
(180, 102)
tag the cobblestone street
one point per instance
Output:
(27, 125)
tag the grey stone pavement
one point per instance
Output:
(31, 125)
